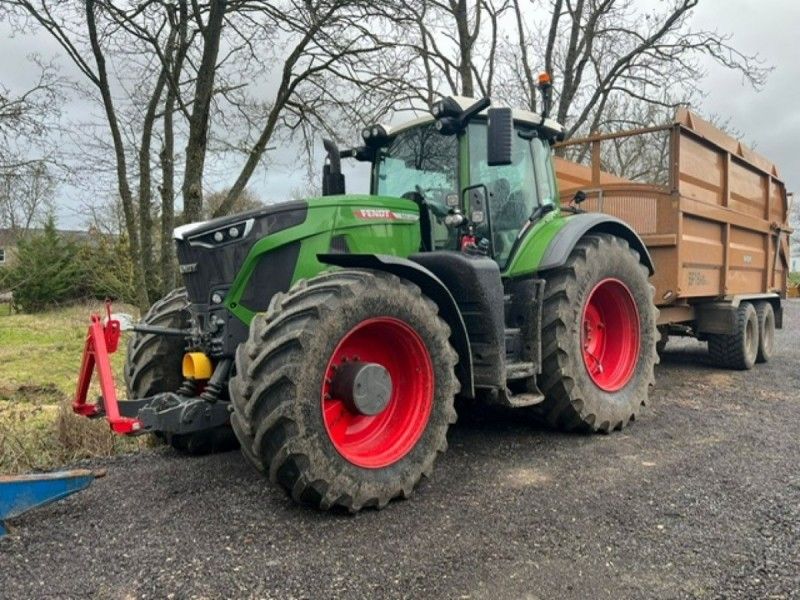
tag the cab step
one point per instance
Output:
(521, 400)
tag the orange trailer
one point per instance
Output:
(712, 213)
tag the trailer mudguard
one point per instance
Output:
(583, 223)
(433, 288)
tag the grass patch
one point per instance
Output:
(41, 353)
(39, 360)
(39, 437)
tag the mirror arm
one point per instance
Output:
(473, 110)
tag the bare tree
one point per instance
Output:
(334, 70)
(29, 166)
(26, 197)
(211, 31)
(27, 120)
(599, 50)
(454, 44)
(146, 45)
(247, 200)
(84, 41)
(174, 58)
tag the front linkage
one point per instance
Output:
(181, 412)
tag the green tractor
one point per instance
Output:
(330, 336)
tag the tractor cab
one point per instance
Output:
(480, 177)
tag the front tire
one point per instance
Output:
(153, 362)
(598, 338)
(289, 414)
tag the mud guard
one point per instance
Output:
(581, 224)
(433, 288)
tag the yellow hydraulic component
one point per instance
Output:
(197, 365)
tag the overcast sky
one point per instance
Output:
(769, 118)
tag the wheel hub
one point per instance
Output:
(377, 393)
(610, 335)
(365, 388)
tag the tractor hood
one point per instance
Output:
(278, 212)
(211, 252)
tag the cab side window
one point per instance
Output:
(545, 178)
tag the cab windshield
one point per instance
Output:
(419, 161)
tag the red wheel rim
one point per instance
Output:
(378, 441)
(610, 335)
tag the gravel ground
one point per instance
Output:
(700, 498)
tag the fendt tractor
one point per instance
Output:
(330, 337)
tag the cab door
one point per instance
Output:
(514, 190)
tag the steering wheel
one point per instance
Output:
(440, 209)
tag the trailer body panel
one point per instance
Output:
(713, 213)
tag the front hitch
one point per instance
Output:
(102, 340)
(178, 414)
(167, 412)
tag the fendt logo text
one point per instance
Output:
(384, 214)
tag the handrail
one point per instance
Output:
(623, 187)
(599, 137)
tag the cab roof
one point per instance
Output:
(519, 115)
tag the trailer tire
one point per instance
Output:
(663, 339)
(738, 350)
(153, 366)
(285, 399)
(766, 331)
(588, 386)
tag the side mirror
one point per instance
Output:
(579, 197)
(499, 137)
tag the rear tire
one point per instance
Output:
(597, 383)
(740, 349)
(283, 392)
(766, 331)
(153, 366)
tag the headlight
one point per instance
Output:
(375, 136)
(224, 235)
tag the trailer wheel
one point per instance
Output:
(740, 349)
(153, 366)
(598, 337)
(663, 339)
(766, 331)
(344, 390)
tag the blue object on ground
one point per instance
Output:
(21, 493)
